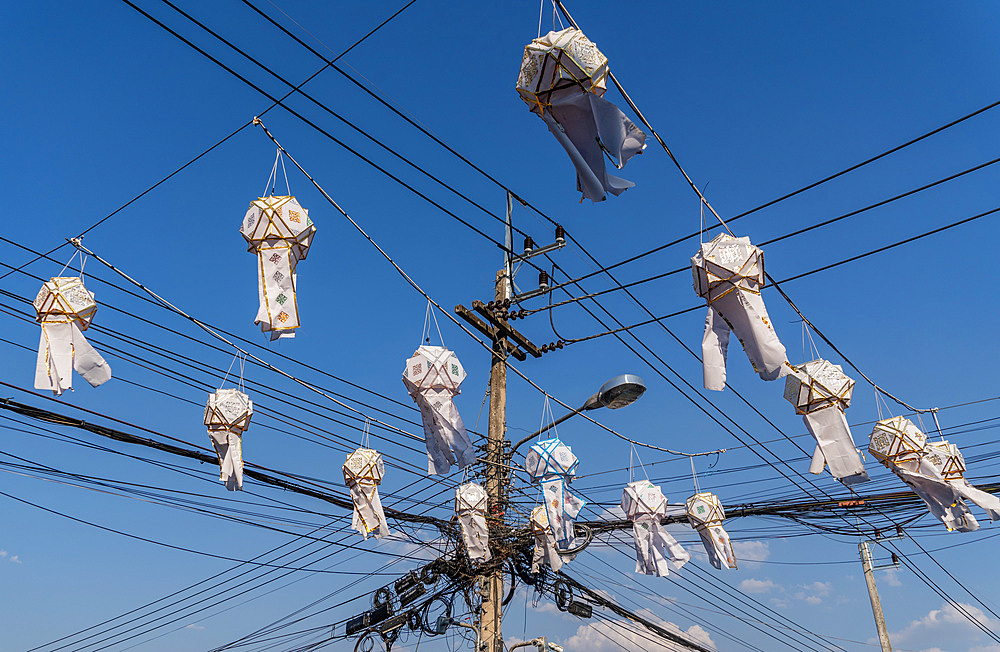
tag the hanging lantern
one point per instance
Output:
(705, 514)
(902, 447)
(227, 416)
(470, 507)
(545, 543)
(820, 392)
(363, 473)
(433, 377)
(562, 79)
(948, 460)
(65, 308)
(645, 505)
(553, 464)
(729, 274)
(279, 231)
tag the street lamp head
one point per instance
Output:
(617, 393)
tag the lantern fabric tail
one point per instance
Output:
(587, 126)
(228, 447)
(654, 547)
(278, 313)
(714, 345)
(835, 446)
(476, 536)
(717, 545)
(744, 314)
(369, 517)
(940, 497)
(561, 507)
(545, 543)
(553, 464)
(987, 501)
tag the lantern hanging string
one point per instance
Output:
(426, 333)
(273, 179)
(83, 261)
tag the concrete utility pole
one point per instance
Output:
(866, 563)
(492, 583)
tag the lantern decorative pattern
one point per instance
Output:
(563, 78)
(227, 416)
(729, 274)
(279, 231)
(65, 308)
(820, 392)
(363, 472)
(645, 505)
(545, 543)
(470, 507)
(433, 377)
(934, 470)
(705, 514)
(553, 464)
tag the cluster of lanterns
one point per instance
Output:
(563, 78)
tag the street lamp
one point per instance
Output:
(616, 393)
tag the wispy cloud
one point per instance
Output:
(612, 635)
(193, 626)
(752, 585)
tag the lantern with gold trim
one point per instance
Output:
(280, 232)
(729, 274)
(645, 505)
(227, 416)
(65, 308)
(562, 79)
(705, 514)
(545, 543)
(363, 472)
(820, 392)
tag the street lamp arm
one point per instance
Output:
(592, 402)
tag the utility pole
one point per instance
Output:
(866, 563)
(491, 639)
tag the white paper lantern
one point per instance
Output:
(280, 232)
(227, 416)
(65, 308)
(470, 507)
(729, 274)
(433, 377)
(363, 472)
(562, 79)
(705, 514)
(553, 464)
(820, 392)
(545, 543)
(896, 440)
(645, 505)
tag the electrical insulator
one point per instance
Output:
(529, 245)
(895, 559)
(560, 235)
(543, 280)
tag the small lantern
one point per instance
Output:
(470, 507)
(553, 464)
(645, 505)
(227, 416)
(820, 392)
(280, 232)
(562, 79)
(729, 274)
(433, 377)
(363, 472)
(65, 308)
(705, 514)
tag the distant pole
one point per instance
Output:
(492, 587)
(866, 563)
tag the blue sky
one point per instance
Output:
(755, 100)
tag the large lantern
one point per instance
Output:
(65, 308)
(553, 464)
(433, 377)
(705, 514)
(545, 543)
(470, 508)
(227, 416)
(645, 505)
(279, 231)
(729, 274)
(363, 473)
(562, 79)
(820, 392)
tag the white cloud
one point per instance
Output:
(813, 594)
(3, 553)
(892, 577)
(14, 559)
(752, 585)
(752, 551)
(193, 626)
(611, 636)
(948, 629)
